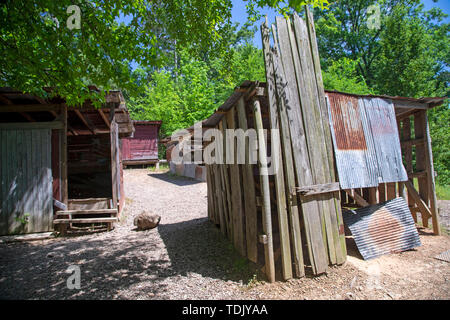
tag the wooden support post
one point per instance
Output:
(391, 192)
(382, 192)
(407, 149)
(63, 150)
(265, 191)
(429, 167)
(373, 195)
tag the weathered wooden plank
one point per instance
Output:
(225, 184)
(251, 231)
(318, 189)
(277, 164)
(421, 157)
(87, 220)
(235, 187)
(311, 111)
(265, 191)
(290, 95)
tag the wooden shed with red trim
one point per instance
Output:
(142, 147)
(60, 166)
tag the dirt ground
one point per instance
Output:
(186, 257)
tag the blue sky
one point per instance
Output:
(239, 14)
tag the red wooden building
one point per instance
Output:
(142, 148)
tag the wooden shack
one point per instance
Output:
(60, 166)
(142, 147)
(236, 196)
(330, 150)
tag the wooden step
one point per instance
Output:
(85, 220)
(112, 212)
(86, 200)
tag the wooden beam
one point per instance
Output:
(85, 121)
(27, 116)
(29, 107)
(418, 200)
(405, 114)
(318, 189)
(405, 104)
(412, 142)
(358, 199)
(102, 114)
(32, 125)
(418, 174)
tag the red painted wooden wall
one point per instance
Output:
(144, 144)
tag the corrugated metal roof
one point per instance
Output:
(383, 228)
(366, 141)
(433, 101)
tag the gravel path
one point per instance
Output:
(186, 257)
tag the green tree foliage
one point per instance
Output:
(408, 55)
(38, 50)
(190, 91)
(342, 75)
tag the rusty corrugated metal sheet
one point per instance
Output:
(383, 228)
(366, 141)
(383, 126)
(356, 162)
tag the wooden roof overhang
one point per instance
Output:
(17, 107)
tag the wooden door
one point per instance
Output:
(26, 194)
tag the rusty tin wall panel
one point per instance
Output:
(380, 114)
(383, 228)
(366, 141)
(356, 164)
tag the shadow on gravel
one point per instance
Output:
(128, 267)
(108, 266)
(171, 178)
(198, 246)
